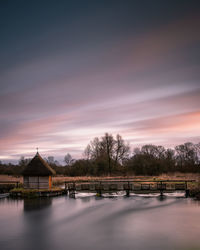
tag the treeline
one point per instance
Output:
(110, 155)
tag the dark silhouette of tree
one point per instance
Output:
(107, 151)
(111, 155)
(50, 160)
(68, 160)
(23, 161)
(121, 150)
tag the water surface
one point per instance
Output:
(92, 223)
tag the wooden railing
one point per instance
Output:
(129, 185)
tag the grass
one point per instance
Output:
(59, 180)
(34, 193)
(23, 190)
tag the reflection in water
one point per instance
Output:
(90, 222)
(161, 197)
(36, 223)
(34, 204)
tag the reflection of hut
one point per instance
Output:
(38, 174)
(34, 204)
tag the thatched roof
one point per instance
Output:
(38, 167)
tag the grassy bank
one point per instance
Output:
(5, 188)
(34, 193)
(57, 180)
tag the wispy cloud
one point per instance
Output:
(65, 89)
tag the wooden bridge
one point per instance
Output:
(134, 186)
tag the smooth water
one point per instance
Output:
(92, 223)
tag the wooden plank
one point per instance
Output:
(180, 186)
(145, 186)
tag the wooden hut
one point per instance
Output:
(38, 174)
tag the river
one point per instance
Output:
(92, 223)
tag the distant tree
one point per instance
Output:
(170, 160)
(50, 160)
(57, 163)
(108, 151)
(68, 159)
(95, 148)
(121, 150)
(148, 160)
(87, 152)
(23, 162)
(187, 155)
(107, 148)
(197, 148)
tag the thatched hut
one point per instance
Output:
(38, 174)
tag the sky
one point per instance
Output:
(73, 70)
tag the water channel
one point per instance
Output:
(93, 223)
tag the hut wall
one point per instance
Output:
(43, 182)
(26, 181)
(36, 182)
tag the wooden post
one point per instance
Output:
(187, 192)
(128, 190)
(72, 195)
(66, 191)
(161, 189)
(99, 191)
(72, 191)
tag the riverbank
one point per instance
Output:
(59, 179)
(34, 193)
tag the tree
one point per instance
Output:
(148, 160)
(87, 152)
(23, 162)
(50, 160)
(96, 148)
(68, 159)
(107, 150)
(187, 155)
(121, 150)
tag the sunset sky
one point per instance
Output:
(73, 70)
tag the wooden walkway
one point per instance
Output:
(129, 186)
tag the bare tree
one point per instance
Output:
(87, 152)
(121, 150)
(187, 154)
(68, 159)
(95, 146)
(23, 162)
(50, 160)
(109, 149)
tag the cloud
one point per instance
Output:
(144, 85)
